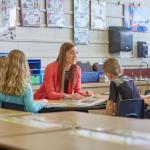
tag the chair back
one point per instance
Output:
(147, 92)
(133, 108)
(13, 106)
(85, 67)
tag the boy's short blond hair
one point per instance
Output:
(112, 65)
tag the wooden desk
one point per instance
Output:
(104, 127)
(9, 112)
(99, 122)
(65, 140)
(29, 124)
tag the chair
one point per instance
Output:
(147, 92)
(147, 108)
(13, 106)
(85, 67)
(133, 108)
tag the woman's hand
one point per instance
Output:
(147, 100)
(88, 93)
(72, 96)
(45, 102)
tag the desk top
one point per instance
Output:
(9, 112)
(29, 124)
(73, 140)
(99, 122)
(75, 131)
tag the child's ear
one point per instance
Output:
(109, 75)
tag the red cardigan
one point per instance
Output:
(50, 89)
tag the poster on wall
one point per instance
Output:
(55, 19)
(136, 18)
(81, 6)
(81, 21)
(55, 14)
(7, 18)
(30, 4)
(81, 36)
(56, 5)
(30, 11)
(31, 18)
(98, 14)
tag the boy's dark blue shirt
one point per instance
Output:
(123, 88)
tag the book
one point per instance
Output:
(94, 100)
(88, 101)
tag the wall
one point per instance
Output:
(43, 42)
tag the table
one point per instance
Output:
(68, 105)
(9, 112)
(87, 131)
(64, 140)
(13, 125)
(99, 122)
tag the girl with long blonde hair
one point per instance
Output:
(16, 86)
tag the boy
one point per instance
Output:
(121, 86)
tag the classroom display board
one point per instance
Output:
(81, 21)
(98, 14)
(55, 14)
(136, 17)
(31, 15)
(7, 17)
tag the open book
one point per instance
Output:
(89, 101)
(84, 102)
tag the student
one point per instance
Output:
(62, 78)
(15, 87)
(121, 86)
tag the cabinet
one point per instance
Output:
(103, 88)
(143, 86)
(96, 88)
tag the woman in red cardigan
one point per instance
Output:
(62, 78)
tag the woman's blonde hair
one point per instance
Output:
(17, 73)
(112, 65)
(65, 47)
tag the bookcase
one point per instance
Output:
(35, 69)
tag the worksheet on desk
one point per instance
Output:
(89, 101)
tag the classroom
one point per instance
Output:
(74, 74)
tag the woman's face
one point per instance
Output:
(71, 56)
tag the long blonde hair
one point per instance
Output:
(3, 69)
(17, 74)
(112, 65)
(65, 47)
